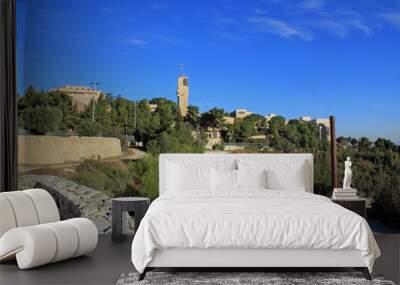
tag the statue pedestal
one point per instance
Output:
(343, 190)
(345, 194)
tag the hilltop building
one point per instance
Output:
(81, 95)
(153, 107)
(306, 118)
(182, 93)
(241, 113)
(270, 116)
(324, 127)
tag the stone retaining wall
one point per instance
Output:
(41, 150)
(75, 200)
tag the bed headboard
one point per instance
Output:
(220, 159)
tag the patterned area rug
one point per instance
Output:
(230, 278)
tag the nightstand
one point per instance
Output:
(358, 206)
(120, 207)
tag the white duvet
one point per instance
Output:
(250, 219)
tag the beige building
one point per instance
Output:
(228, 120)
(270, 116)
(153, 107)
(182, 93)
(81, 95)
(213, 137)
(324, 122)
(242, 113)
(324, 127)
(306, 118)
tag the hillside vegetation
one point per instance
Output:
(376, 165)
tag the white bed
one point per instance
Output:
(202, 221)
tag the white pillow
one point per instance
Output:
(224, 179)
(282, 174)
(183, 177)
(251, 178)
(291, 180)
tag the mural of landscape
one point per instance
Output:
(104, 89)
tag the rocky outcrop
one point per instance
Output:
(75, 200)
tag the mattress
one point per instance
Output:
(250, 219)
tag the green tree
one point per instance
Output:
(193, 116)
(143, 131)
(364, 144)
(32, 99)
(213, 118)
(36, 99)
(244, 129)
(146, 173)
(87, 128)
(275, 127)
(166, 117)
(258, 121)
(41, 120)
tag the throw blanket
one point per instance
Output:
(251, 218)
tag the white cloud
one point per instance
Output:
(135, 42)
(359, 25)
(312, 5)
(392, 18)
(342, 28)
(279, 27)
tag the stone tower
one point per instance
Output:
(182, 93)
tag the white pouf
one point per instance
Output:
(31, 232)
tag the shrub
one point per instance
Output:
(113, 179)
(219, 147)
(87, 128)
(386, 203)
(146, 172)
(179, 140)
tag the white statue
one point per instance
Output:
(347, 174)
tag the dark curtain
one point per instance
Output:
(8, 97)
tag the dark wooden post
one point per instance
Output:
(333, 152)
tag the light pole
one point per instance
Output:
(134, 115)
(94, 94)
(126, 124)
(134, 121)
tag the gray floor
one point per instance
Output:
(389, 263)
(103, 266)
(110, 260)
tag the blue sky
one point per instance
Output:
(294, 58)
